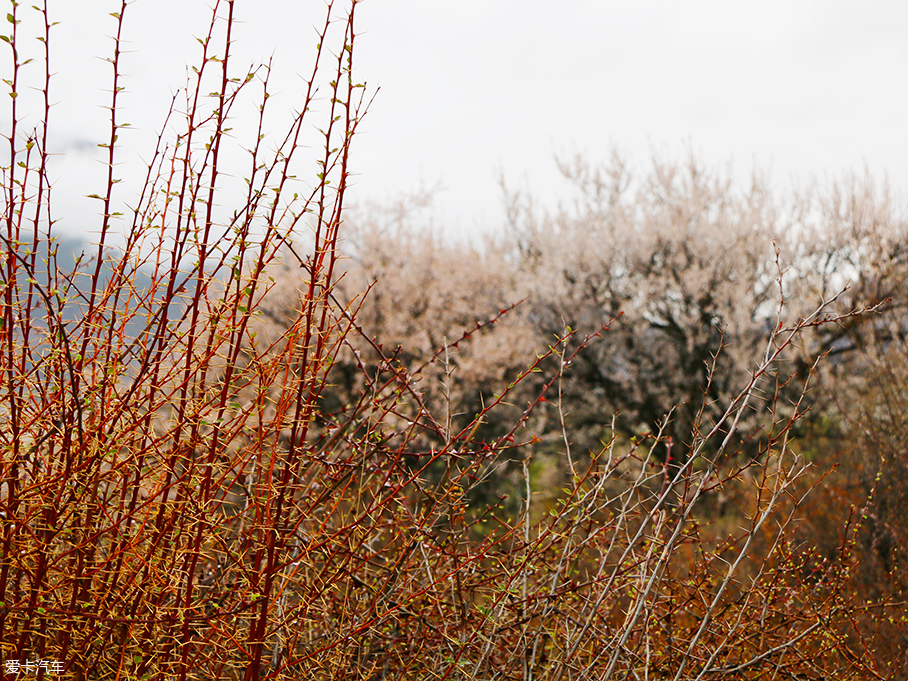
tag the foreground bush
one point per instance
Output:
(184, 495)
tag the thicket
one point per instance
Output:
(604, 449)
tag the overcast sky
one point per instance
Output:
(472, 89)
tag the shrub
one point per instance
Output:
(185, 492)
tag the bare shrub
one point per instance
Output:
(226, 474)
(152, 481)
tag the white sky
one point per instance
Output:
(477, 88)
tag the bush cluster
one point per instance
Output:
(247, 435)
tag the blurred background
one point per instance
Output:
(467, 93)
